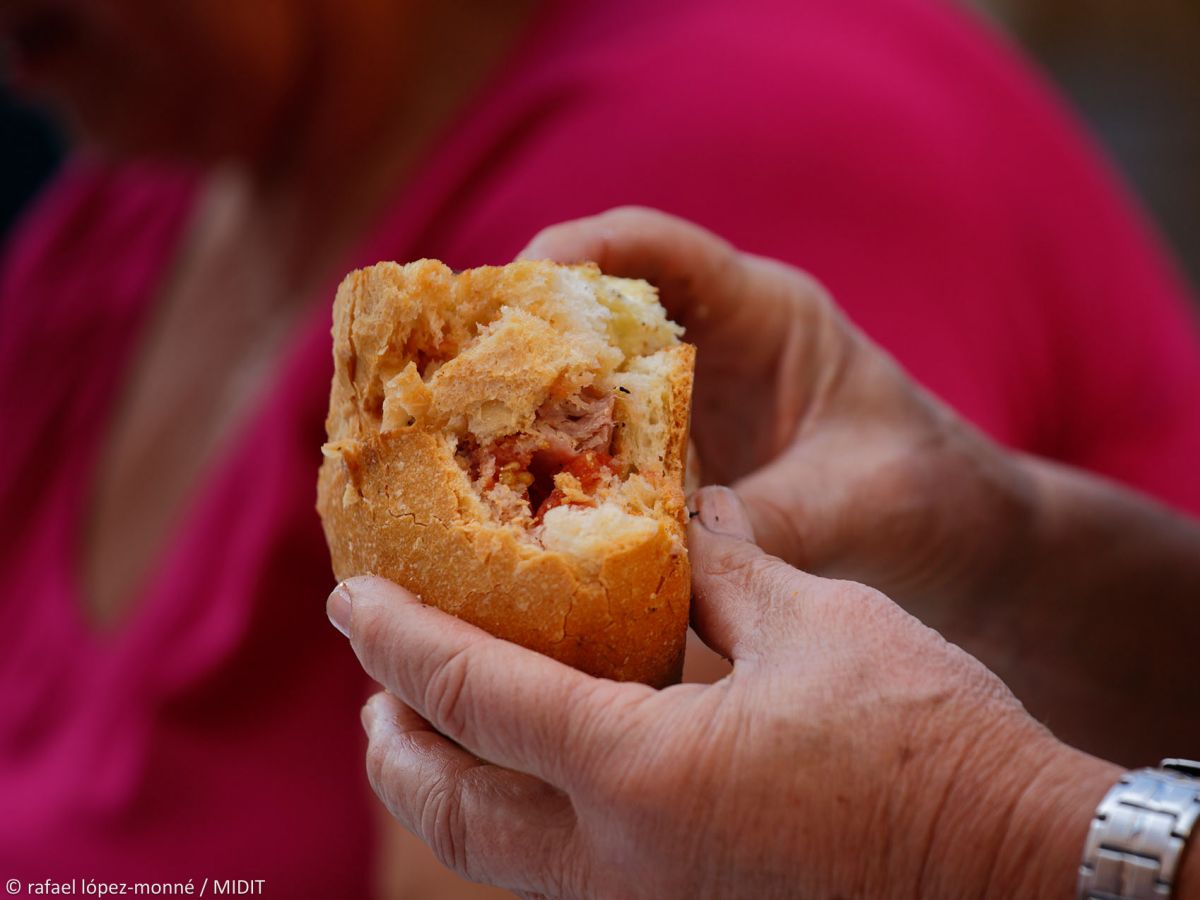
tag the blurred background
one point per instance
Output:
(29, 151)
(1131, 70)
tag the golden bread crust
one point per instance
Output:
(395, 502)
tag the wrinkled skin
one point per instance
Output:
(852, 752)
(850, 469)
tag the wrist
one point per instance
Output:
(1043, 839)
(1015, 816)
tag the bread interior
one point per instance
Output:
(549, 387)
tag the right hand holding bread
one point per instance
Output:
(852, 753)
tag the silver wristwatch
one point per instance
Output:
(1139, 832)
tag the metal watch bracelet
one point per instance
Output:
(1139, 832)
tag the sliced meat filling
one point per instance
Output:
(577, 424)
(572, 435)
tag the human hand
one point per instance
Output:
(848, 467)
(852, 752)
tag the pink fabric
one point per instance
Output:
(888, 146)
(216, 734)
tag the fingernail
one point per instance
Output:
(339, 607)
(721, 512)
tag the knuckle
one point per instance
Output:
(559, 234)
(599, 732)
(872, 623)
(854, 595)
(377, 765)
(807, 295)
(724, 560)
(804, 293)
(767, 573)
(379, 776)
(744, 565)
(443, 825)
(537, 245)
(594, 731)
(624, 722)
(732, 268)
(815, 294)
(862, 603)
(373, 638)
(445, 693)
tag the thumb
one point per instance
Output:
(744, 601)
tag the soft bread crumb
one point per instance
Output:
(496, 384)
(638, 324)
(589, 533)
(644, 406)
(405, 400)
(513, 335)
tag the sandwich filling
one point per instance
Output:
(564, 459)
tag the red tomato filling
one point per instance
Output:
(589, 470)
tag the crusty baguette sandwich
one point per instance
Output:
(509, 444)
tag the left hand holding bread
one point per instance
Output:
(852, 751)
(850, 469)
(847, 466)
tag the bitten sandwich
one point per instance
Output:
(508, 443)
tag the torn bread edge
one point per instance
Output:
(431, 370)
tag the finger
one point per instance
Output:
(744, 601)
(507, 704)
(704, 283)
(487, 823)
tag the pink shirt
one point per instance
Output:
(888, 146)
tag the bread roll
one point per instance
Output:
(509, 443)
